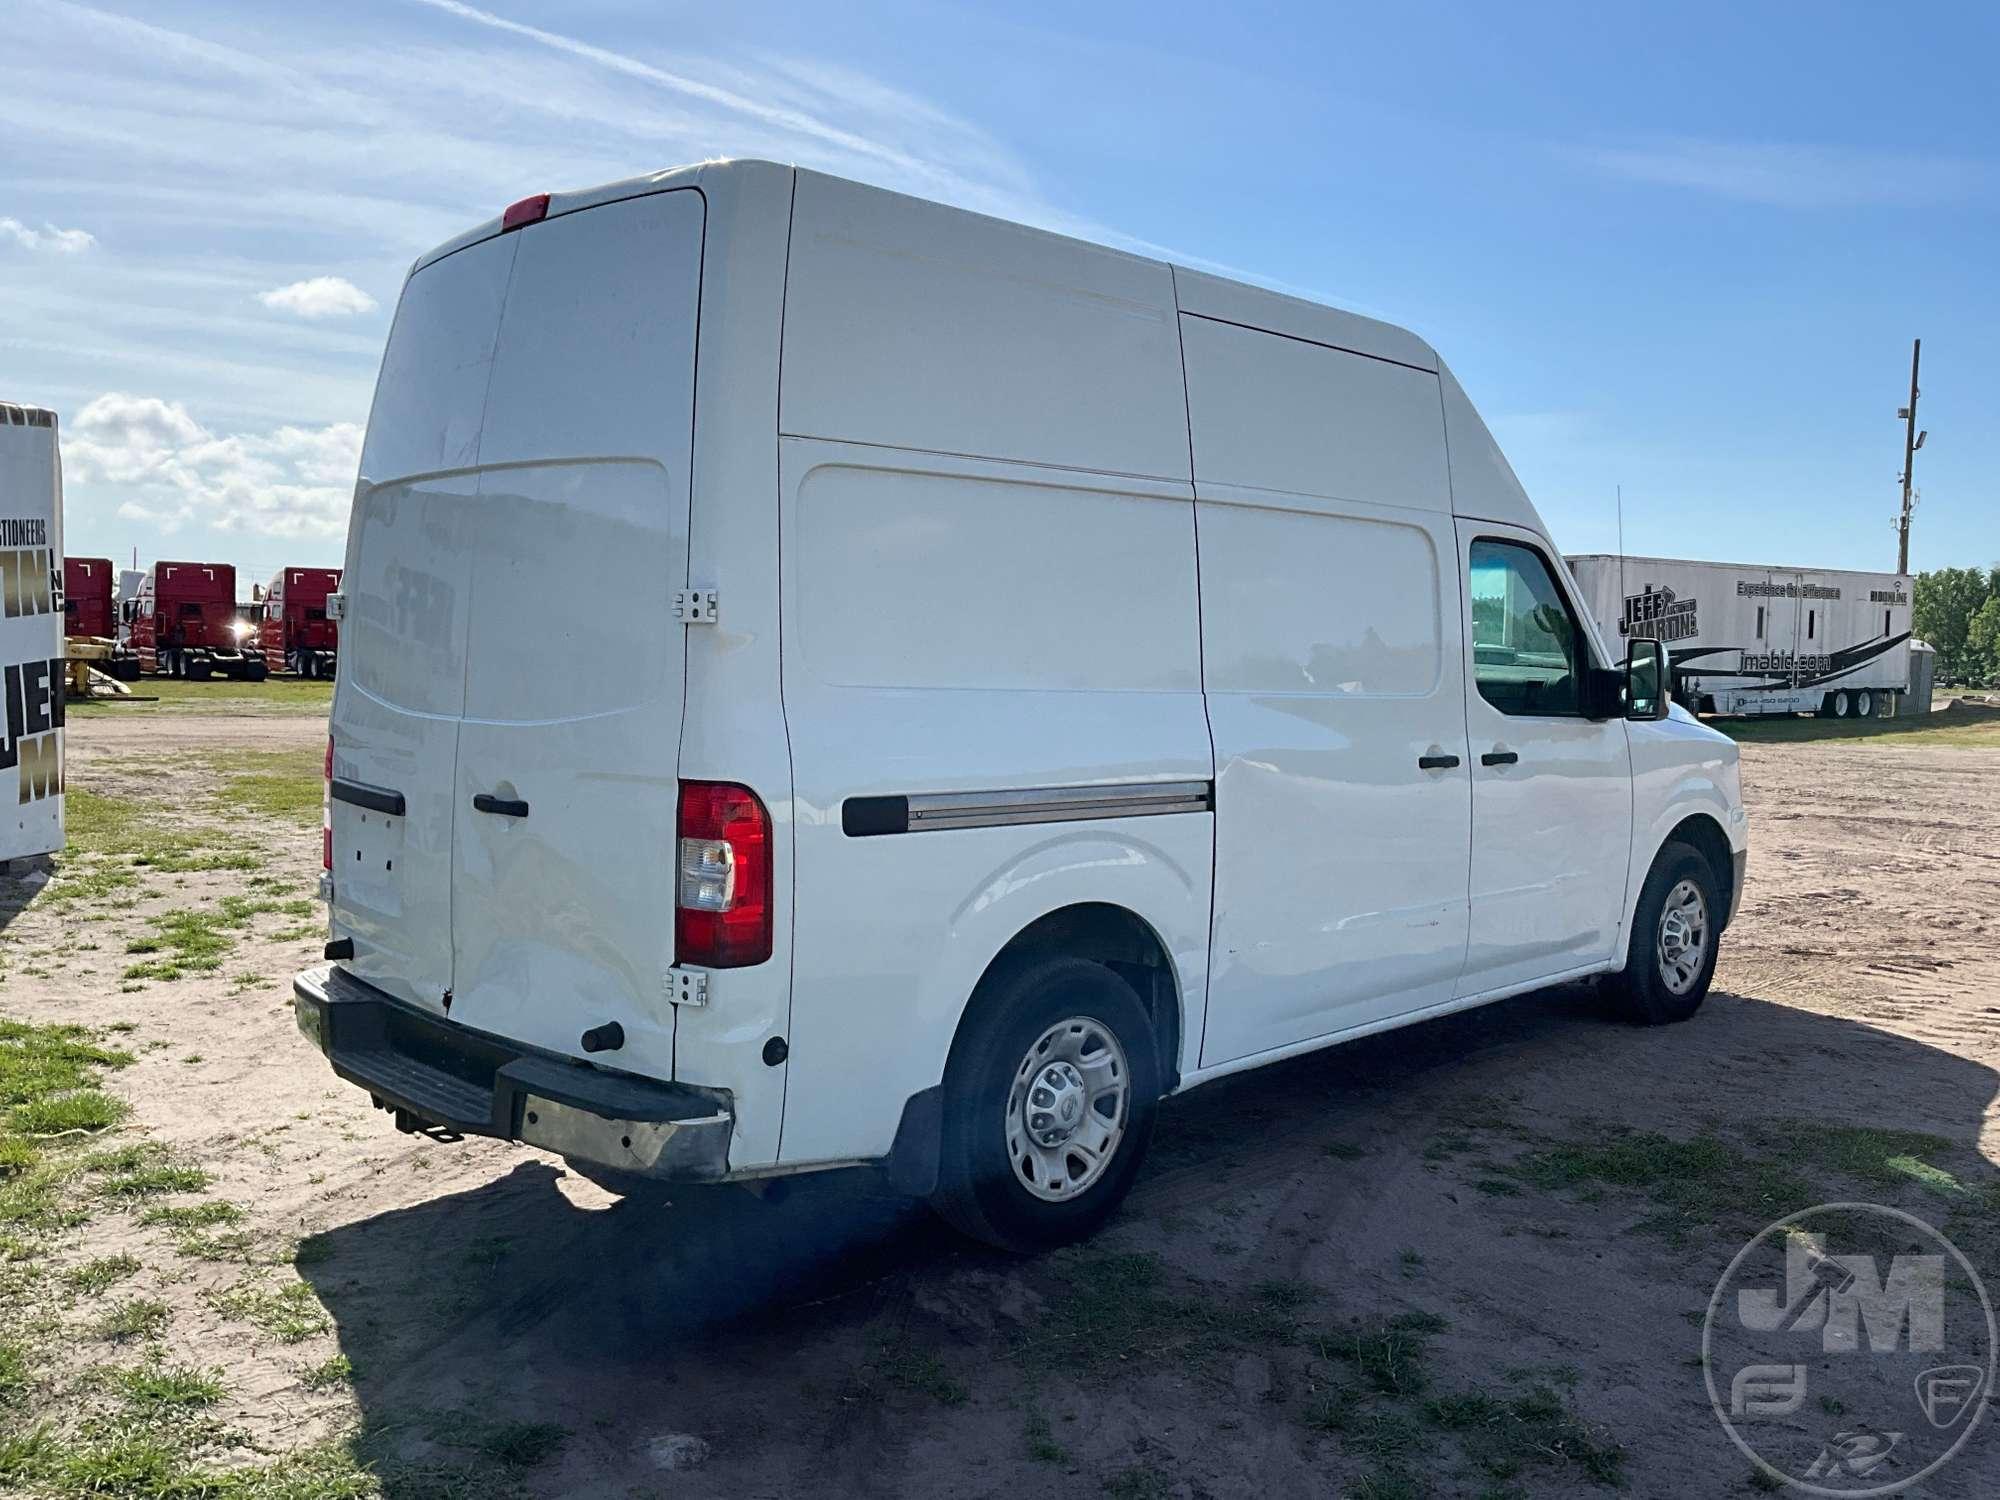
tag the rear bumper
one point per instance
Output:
(475, 1084)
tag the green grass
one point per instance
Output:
(1138, 1482)
(1532, 1428)
(1706, 1181)
(114, 841)
(193, 1215)
(143, 1461)
(154, 1389)
(13, 1369)
(143, 1171)
(94, 1276)
(85, 1111)
(289, 1313)
(1886, 1158)
(328, 1373)
(903, 1364)
(1389, 1356)
(1119, 1308)
(1041, 1439)
(280, 696)
(49, 1086)
(195, 941)
(141, 1318)
(519, 1445)
(285, 784)
(1696, 1182)
(50, 1094)
(1964, 726)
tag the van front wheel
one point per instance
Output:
(1670, 959)
(1049, 1102)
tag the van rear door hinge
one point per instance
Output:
(695, 606)
(687, 986)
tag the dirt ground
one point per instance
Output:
(1526, 1206)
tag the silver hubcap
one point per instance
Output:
(1066, 1110)
(1683, 937)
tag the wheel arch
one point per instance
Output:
(1104, 932)
(1124, 942)
(1704, 834)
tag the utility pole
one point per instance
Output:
(1911, 442)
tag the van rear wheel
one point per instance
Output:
(1049, 1102)
(1670, 957)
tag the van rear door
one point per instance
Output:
(538, 742)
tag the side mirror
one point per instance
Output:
(1647, 693)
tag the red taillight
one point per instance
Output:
(326, 811)
(722, 917)
(527, 211)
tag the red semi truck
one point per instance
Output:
(298, 637)
(87, 597)
(185, 623)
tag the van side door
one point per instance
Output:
(1333, 666)
(1551, 789)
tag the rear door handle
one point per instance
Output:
(1436, 762)
(1499, 757)
(506, 807)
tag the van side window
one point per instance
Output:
(1526, 648)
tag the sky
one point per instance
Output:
(1679, 250)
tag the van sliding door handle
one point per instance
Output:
(1499, 757)
(506, 807)
(1436, 762)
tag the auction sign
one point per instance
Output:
(31, 633)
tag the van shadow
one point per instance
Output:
(750, 1322)
(21, 881)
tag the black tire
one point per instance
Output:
(1642, 992)
(200, 670)
(980, 1192)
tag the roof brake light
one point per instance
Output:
(527, 211)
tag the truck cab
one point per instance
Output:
(87, 606)
(186, 623)
(1024, 680)
(297, 635)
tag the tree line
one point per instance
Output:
(1957, 610)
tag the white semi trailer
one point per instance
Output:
(31, 633)
(1746, 639)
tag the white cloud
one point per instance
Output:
(319, 297)
(171, 471)
(48, 237)
(1786, 176)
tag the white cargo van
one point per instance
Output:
(1076, 678)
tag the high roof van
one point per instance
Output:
(829, 679)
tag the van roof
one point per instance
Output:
(1199, 292)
